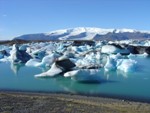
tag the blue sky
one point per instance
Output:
(18, 17)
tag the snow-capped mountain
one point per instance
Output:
(88, 33)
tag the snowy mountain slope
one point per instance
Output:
(88, 33)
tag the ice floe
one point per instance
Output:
(85, 75)
(18, 56)
(126, 65)
(81, 61)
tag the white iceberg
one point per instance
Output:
(90, 59)
(39, 54)
(58, 67)
(46, 61)
(110, 64)
(53, 71)
(33, 62)
(138, 55)
(85, 75)
(18, 56)
(126, 65)
(23, 47)
(117, 62)
(111, 49)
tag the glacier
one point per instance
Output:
(88, 33)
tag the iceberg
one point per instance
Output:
(33, 62)
(46, 61)
(1, 55)
(53, 71)
(39, 54)
(117, 62)
(132, 56)
(49, 59)
(58, 67)
(126, 65)
(110, 64)
(85, 75)
(23, 47)
(114, 49)
(18, 56)
(89, 59)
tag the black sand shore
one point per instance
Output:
(19, 102)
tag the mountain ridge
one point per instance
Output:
(88, 33)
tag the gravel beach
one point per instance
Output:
(19, 102)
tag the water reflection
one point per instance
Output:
(16, 67)
(122, 73)
(71, 86)
(117, 73)
(76, 87)
(115, 82)
(107, 74)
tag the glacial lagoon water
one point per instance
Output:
(118, 84)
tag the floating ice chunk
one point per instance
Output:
(112, 61)
(109, 49)
(138, 55)
(115, 57)
(84, 63)
(143, 55)
(13, 52)
(33, 62)
(71, 73)
(113, 49)
(46, 61)
(5, 59)
(18, 56)
(1, 55)
(89, 60)
(54, 70)
(117, 62)
(69, 54)
(49, 60)
(61, 48)
(98, 55)
(85, 75)
(39, 54)
(28, 50)
(147, 43)
(98, 44)
(65, 64)
(57, 68)
(126, 65)
(76, 49)
(62, 57)
(110, 64)
(74, 60)
(23, 47)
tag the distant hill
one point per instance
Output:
(88, 33)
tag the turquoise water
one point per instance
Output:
(118, 84)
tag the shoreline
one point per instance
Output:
(123, 98)
(24, 102)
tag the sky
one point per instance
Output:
(18, 17)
